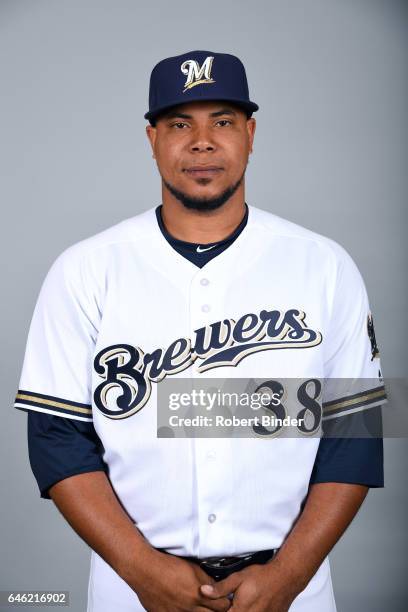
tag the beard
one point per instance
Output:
(205, 203)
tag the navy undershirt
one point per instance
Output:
(200, 254)
(60, 447)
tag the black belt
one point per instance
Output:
(221, 567)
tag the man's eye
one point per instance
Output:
(179, 125)
(224, 122)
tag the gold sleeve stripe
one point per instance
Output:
(353, 401)
(38, 400)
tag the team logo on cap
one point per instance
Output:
(197, 75)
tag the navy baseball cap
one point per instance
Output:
(198, 75)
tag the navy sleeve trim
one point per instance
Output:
(52, 405)
(353, 403)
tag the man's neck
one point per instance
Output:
(202, 227)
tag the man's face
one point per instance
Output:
(202, 150)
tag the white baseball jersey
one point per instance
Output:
(121, 311)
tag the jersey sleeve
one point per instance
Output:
(57, 366)
(352, 369)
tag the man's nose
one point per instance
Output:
(201, 140)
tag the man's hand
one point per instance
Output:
(257, 588)
(170, 584)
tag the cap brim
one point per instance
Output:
(245, 104)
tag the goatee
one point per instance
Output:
(203, 204)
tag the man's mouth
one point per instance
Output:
(203, 171)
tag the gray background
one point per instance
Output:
(330, 154)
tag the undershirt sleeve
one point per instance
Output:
(61, 447)
(352, 460)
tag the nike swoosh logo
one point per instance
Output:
(201, 250)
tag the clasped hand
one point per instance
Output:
(257, 588)
(171, 584)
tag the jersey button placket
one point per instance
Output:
(207, 476)
(201, 306)
(207, 296)
(209, 497)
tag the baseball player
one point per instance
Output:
(202, 286)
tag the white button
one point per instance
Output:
(211, 455)
(211, 518)
(205, 308)
(204, 282)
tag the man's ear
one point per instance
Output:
(151, 134)
(251, 127)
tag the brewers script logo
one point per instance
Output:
(127, 372)
(195, 74)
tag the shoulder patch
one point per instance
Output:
(371, 334)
